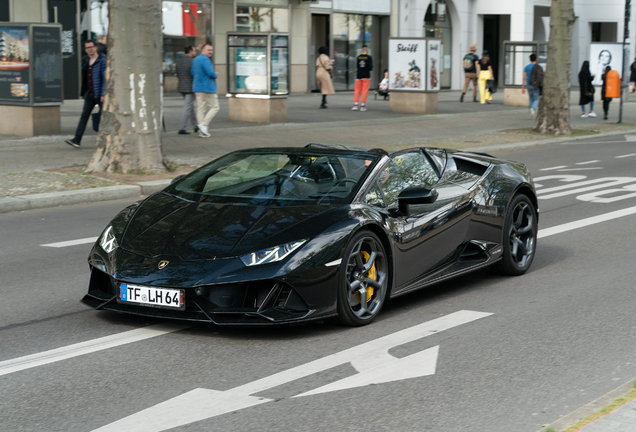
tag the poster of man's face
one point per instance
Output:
(603, 55)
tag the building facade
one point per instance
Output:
(343, 26)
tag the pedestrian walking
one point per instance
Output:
(586, 89)
(364, 66)
(93, 85)
(184, 75)
(606, 100)
(485, 74)
(324, 68)
(533, 78)
(471, 71)
(632, 77)
(204, 88)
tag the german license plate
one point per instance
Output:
(153, 297)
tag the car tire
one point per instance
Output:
(363, 280)
(519, 237)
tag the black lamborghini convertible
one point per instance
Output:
(286, 235)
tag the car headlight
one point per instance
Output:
(271, 255)
(108, 242)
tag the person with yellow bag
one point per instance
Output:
(485, 75)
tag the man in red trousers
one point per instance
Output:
(364, 63)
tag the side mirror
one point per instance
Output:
(177, 178)
(415, 195)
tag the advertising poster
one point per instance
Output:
(47, 65)
(251, 69)
(602, 55)
(14, 64)
(434, 66)
(407, 64)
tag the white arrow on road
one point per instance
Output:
(371, 359)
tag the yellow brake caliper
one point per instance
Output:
(372, 275)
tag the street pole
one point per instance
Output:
(628, 8)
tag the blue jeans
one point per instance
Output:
(533, 96)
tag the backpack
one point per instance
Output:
(536, 76)
(469, 62)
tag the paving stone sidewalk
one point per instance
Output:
(24, 161)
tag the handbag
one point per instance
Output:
(491, 87)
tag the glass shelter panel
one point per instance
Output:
(516, 58)
(248, 64)
(280, 65)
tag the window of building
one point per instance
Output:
(350, 33)
(604, 31)
(262, 19)
(184, 23)
(437, 25)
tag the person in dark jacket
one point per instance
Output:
(93, 85)
(184, 75)
(586, 89)
(606, 100)
(364, 63)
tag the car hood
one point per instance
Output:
(199, 231)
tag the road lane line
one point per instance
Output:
(626, 156)
(580, 169)
(546, 232)
(71, 242)
(91, 346)
(588, 162)
(553, 168)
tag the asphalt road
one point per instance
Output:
(545, 344)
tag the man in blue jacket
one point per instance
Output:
(93, 85)
(204, 88)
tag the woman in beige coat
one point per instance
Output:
(324, 66)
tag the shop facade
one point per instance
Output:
(343, 26)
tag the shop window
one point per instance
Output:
(604, 31)
(350, 33)
(262, 19)
(184, 23)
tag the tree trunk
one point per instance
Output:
(130, 128)
(553, 114)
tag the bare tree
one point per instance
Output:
(553, 114)
(130, 129)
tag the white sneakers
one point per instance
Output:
(362, 108)
(532, 113)
(592, 114)
(355, 108)
(584, 115)
(204, 131)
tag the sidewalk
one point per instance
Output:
(23, 161)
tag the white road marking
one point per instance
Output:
(626, 156)
(553, 168)
(630, 138)
(580, 169)
(587, 163)
(589, 185)
(71, 242)
(546, 232)
(91, 346)
(201, 404)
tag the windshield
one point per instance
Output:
(299, 178)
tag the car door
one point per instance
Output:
(431, 234)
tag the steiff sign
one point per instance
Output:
(414, 64)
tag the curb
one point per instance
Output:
(54, 199)
(589, 409)
(513, 146)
